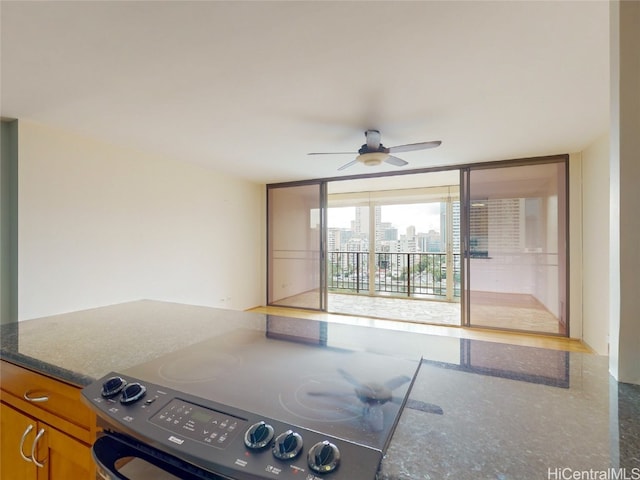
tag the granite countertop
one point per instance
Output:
(509, 412)
(80, 347)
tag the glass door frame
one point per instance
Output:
(440, 191)
(464, 171)
(320, 253)
(465, 227)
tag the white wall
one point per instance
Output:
(511, 267)
(595, 244)
(624, 176)
(101, 224)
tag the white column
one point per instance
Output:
(372, 248)
(449, 248)
(624, 169)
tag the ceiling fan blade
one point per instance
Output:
(396, 161)
(348, 377)
(410, 147)
(396, 382)
(332, 153)
(423, 406)
(331, 394)
(347, 165)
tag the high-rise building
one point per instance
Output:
(356, 245)
(385, 232)
(456, 226)
(333, 239)
(430, 242)
(408, 243)
(361, 223)
(390, 234)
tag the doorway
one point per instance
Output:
(516, 267)
(294, 246)
(393, 251)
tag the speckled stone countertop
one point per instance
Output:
(80, 347)
(509, 412)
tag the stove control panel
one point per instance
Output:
(222, 439)
(198, 423)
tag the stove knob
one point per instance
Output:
(288, 445)
(258, 436)
(323, 457)
(113, 386)
(132, 393)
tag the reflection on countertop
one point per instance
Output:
(82, 346)
(510, 412)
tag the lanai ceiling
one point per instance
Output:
(249, 88)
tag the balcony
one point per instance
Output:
(418, 275)
(414, 287)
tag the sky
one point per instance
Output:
(423, 216)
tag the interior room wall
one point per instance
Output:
(525, 227)
(624, 176)
(101, 224)
(595, 244)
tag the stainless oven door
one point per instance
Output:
(120, 457)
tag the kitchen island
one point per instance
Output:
(508, 412)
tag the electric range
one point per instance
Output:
(282, 403)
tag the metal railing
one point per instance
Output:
(406, 274)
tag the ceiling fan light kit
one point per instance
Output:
(372, 159)
(373, 153)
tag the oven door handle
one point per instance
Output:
(108, 449)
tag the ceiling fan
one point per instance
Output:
(373, 396)
(374, 153)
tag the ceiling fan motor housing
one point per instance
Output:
(365, 149)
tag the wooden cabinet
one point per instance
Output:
(14, 430)
(46, 431)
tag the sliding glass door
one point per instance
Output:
(295, 226)
(393, 248)
(516, 243)
(495, 245)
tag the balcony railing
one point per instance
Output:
(406, 274)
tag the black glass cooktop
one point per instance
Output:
(294, 373)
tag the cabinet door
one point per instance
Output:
(63, 408)
(66, 458)
(13, 425)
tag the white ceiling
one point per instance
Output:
(250, 87)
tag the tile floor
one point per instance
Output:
(490, 310)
